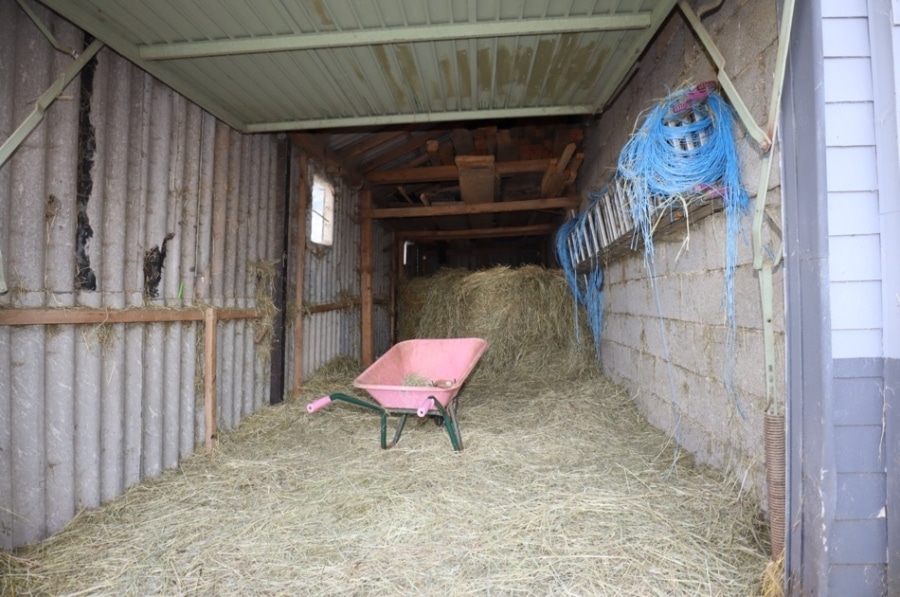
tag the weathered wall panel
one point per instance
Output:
(690, 279)
(88, 410)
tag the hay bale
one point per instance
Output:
(527, 315)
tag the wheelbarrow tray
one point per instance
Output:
(442, 363)
(448, 360)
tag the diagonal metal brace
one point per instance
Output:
(758, 134)
(48, 97)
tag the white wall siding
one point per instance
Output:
(852, 172)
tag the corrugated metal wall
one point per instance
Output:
(331, 275)
(87, 410)
(381, 288)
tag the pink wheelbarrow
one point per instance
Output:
(421, 377)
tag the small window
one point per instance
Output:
(321, 229)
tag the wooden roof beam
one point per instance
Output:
(459, 208)
(451, 172)
(533, 230)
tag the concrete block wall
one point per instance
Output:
(689, 380)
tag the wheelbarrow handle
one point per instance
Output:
(426, 406)
(317, 404)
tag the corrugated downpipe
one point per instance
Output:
(774, 429)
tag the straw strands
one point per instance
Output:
(562, 489)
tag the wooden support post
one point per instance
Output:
(365, 282)
(209, 378)
(395, 267)
(302, 201)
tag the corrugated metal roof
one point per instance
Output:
(272, 65)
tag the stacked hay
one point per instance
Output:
(527, 315)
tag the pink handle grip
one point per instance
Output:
(317, 404)
(426, 406)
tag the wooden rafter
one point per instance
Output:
(451, 172)
(455, 209)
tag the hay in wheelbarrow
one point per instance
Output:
(526, 314)
(563, 488)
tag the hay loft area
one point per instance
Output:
(275, 211)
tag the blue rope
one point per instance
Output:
(588, 291)
(674, 158)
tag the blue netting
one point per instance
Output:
(587, 289)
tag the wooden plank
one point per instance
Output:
(451, 172)
(88, 316)
(502, 232)
(477, 181)
(506, 150)
(367, 310)
(404, 194)
(567, 154)
(209, 378)
(60, 316)
(302, 208)
(476, 178)
(462, 141)
(455, 209)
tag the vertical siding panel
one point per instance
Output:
(181, 146)
(217, 256)
(87, 415)
(154, 338)
(62, 123)
(8, 60)
(59, 401)
(87, 348)
(138, 147)
(189, 390)
(7, 519)
(27, 426)
(242, 254)
(24, 268)
(188, 268)
(113, 129)
(253, 198)
(25, 262)
(205, 201)
(158, 159)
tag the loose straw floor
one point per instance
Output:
(562, 489)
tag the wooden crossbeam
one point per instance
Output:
(451, 172)
(502, 232)
(459, 208)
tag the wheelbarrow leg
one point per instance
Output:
(396, 434)
(449, 415)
